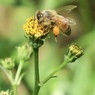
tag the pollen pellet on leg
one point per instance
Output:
(56, 31)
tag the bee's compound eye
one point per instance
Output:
(39, 15)
(56, 30)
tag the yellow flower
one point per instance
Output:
(76, 50)
(32, 28)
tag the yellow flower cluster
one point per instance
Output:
(32, 28)
(76, 50)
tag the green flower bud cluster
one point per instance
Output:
(5, 92)
(8, 63)
(24, 52)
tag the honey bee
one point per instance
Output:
(52, 19)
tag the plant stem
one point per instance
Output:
(18, 72)
(8, 74)
(16, 80)
(36, 67)
(14, 89)
(55, 71)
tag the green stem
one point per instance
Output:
(16, 80)
(18, 72)
(55, 71)
(14, 89)
(11, 77)
(7, 74)
(36, 67)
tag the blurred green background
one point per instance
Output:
(77, 78)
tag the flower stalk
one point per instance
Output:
(74, 52)
(15, 89)
(36, 67)
(18, 72)
(55, 71)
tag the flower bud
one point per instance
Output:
(4, 92)
(8, 63)
(24, 52)
(74, 52)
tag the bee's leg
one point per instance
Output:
(55, 37)
(47, 29)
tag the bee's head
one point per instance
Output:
(39, 15)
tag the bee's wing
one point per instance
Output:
(66, 9)
(71, 22)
